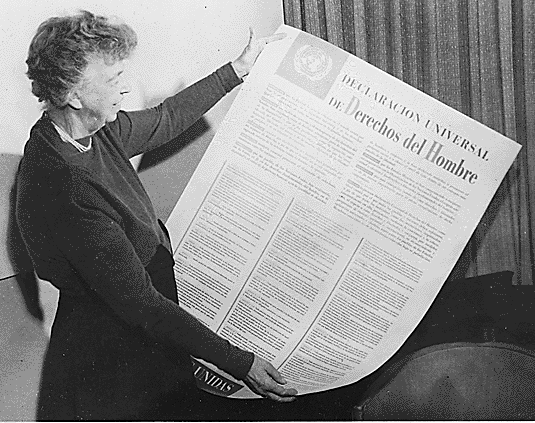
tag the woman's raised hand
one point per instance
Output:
(244, 63)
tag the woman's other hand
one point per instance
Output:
(244, 63)
(264, 380)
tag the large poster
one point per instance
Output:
(327, 213)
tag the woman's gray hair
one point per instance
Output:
(62, 47)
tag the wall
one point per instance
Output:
(179, 42)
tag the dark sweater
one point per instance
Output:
(91, 230)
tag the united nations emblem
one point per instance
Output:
(312, 62)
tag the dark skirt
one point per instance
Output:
(98, 368)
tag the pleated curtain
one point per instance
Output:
(478, 57)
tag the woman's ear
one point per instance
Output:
(74, 101)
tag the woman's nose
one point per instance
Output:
(126, 87)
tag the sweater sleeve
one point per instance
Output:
(143, 130)
(93, 241)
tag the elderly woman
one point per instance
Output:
(120, 346)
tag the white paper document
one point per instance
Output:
(327, 213)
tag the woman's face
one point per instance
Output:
(101, 93)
